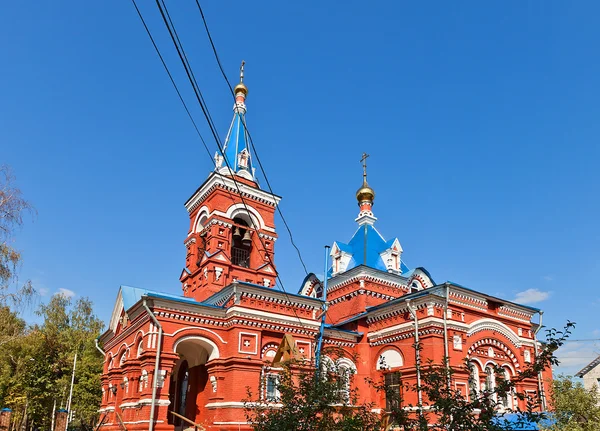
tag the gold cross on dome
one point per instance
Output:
(242, 71)
(364, 164)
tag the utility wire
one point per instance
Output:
(195, 82)
(208, 118)
(214, 49)
(171, 78)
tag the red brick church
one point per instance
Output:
(194, 354)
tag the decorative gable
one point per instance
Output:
(391, 257)
(340, 258)
(312, 286)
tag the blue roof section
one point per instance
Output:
(365, 248)
(131, 295)
(236, 141)
(522, 423)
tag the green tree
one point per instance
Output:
(310, 400)
(574, 408)
(301, 399)
(36, 370)
(13, 207)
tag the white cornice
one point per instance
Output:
(368, 274)
(272, 317)
(427, 321)
(216, 180)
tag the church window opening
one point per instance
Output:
(507, 397)
(490, 381)
(393, 391)
(390, 359)
(201, 248)
(241, 243)
(272, 388)
(474, 379)
(182, 390)
(344, 374)
(457, 342)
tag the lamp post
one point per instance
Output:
(71, 392)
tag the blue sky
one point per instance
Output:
(481, 121)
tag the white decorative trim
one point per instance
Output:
(192, 240)
(158, 402)
(278, 317)
(222, 404)
(216, 180)
(197, 327)
(213, 353)
(255, 351)
(493, 325)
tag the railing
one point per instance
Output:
(240, 257)
(120, 421)
(183, 418)
(102, 421)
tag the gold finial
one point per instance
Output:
(241, 87)
(365, 193)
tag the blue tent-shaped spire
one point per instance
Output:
(366, 247)
(236, 145)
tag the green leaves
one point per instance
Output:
(574, 407)
(37, 366)
(310, 399)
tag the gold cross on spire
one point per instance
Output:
(242, 71)
(364, 164)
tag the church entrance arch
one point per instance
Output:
(188, 392)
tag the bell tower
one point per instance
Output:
(232, 220)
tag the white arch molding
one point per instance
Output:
(493, 325)
(237, 210)
(196, 350)
(188, 328)
(203, 211)
(392, 359)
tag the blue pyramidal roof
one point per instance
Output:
(237, 140)
(366, 247)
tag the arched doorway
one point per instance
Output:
(188, 390)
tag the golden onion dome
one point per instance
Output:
(365, 193)
(241, 87)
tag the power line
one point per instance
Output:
(171, 78)
(214, 49)
(208, 118)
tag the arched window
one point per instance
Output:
(389, 359)
(122, 359)
(474, 379)
(393, 391)
(345, 370)
(143, 380)
(507, 399)
(201, 221)
(490, 380)
(272, 387)
(140, 348)
(241, 242)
